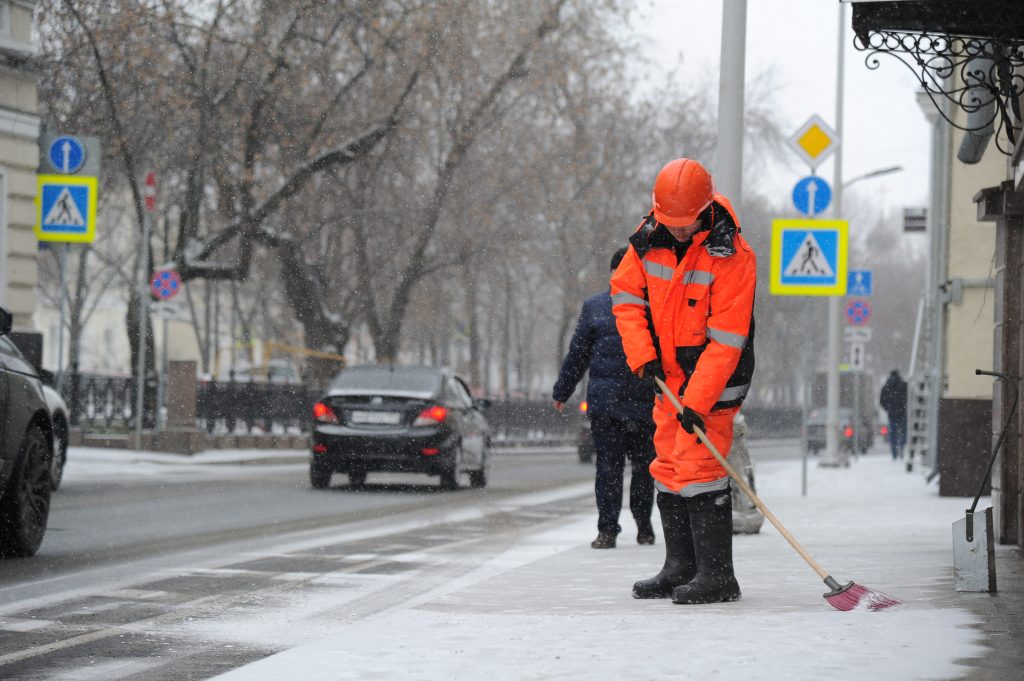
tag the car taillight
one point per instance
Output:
(584, 406)
(319, 448)
(324, 414)
(430, 451)
(848, 431)
(884, 430)
(431, 416)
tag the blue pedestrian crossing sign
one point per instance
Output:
(812, 195)
(859, 283)
(66, 208)
(66, 154)
(809, 257)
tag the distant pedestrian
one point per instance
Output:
(894, 401)
(619, 407)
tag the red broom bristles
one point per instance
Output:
(854, 595)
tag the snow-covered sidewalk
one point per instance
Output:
(552, 608)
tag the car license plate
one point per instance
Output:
(389, 418)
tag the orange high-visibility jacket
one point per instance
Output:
(696, 315)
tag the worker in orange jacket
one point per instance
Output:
(683, 301)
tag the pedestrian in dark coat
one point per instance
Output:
(619, 406)
(894, 401)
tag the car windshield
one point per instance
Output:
(410, 382)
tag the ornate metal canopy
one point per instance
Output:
(969, 54)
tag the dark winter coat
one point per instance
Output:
(613, 390)
(894, 398)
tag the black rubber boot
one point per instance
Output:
(644, 532)
(605, 540)
(711, 524)
(679, 565)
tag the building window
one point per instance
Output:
(5, 17)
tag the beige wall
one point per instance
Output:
(969, 331)
(19, 157)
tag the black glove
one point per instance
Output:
(689, 418)
(649, 371)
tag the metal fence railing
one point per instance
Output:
(269, 407)
(100, 402)
(533, 421)
(107, 403)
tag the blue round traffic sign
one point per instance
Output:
(858, 312)
(165, 284)
(812, 195)
(66, 154)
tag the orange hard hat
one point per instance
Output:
(683, 189)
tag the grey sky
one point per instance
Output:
(796, 40)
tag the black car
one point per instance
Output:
(399, 419)
(26, 450)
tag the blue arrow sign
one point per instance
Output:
(66, 154)
(812, 195)
(859, 283)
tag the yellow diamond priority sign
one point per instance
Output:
(814, 141)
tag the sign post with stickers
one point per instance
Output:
(809, 256)
(66, 197)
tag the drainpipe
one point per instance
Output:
(942, 133)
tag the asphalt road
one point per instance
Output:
(136, 568)
(100, 523)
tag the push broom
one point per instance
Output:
(841, 597)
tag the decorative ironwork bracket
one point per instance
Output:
(982, 76)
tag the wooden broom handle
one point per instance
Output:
(743, 485)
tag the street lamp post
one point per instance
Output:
(834, 317)
(889, 170)
(834, 340)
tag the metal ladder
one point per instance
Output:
(918, 388)
(917, 420)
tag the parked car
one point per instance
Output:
(26, 451)
(816, 431)
(383, 418)
(61, 432)
(61, 424)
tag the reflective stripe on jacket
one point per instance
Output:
(695, 316)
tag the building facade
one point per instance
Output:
(19, 158)
(970, 58)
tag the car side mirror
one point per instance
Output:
(482, 404)
(6, 321)
(47, 377)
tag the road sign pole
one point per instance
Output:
(143, 293)
(62, 278)
(834, 344)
